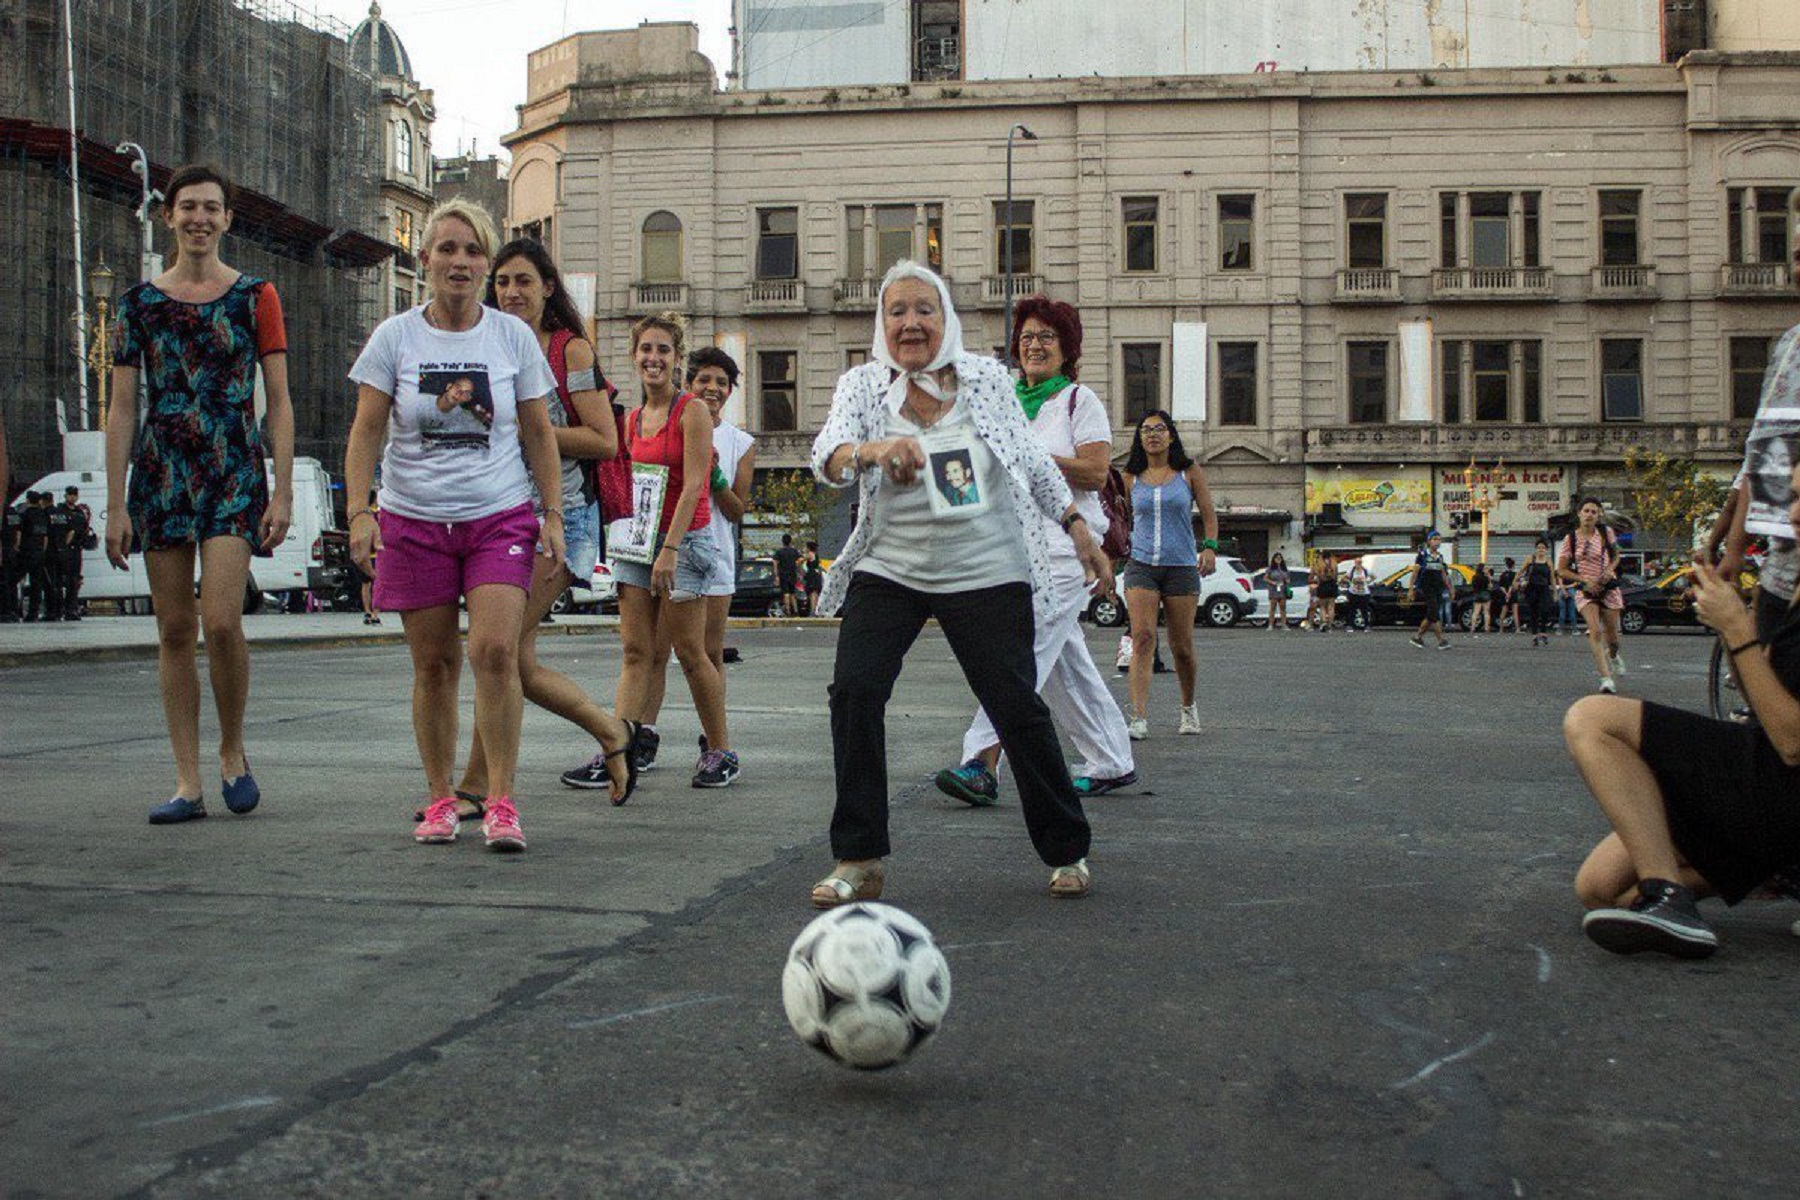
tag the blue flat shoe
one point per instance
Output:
(241, 794)
(178, 809)
(1087, 785)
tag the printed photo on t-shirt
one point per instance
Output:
(459, 413)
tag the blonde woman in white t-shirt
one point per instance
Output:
(1071, 422)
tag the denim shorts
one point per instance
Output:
(581, 537)
(1173, 580)
(694, 566)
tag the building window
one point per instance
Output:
(1368, 376)
(1237, 233)
(1492, 229)
(1749, 362)
(402, 298)
(1237, 383)
(1756, 225)
(775, 369)
(937, 40)
(1621, 379)
(1139, 214)
(403, 230)
(1023, 213)
(876, 237)
(1490, 381)
(777, 243)
(1619, 229)
(662, 248)
(1503, 381)
(1365, 231)
(1531, 382)
(1142, 379)
(403, 148)
(855, 356)
(1450, 373)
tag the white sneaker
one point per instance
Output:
(1137, 729)
(1123, 662)
(1607, 686)
(1618, 663)
(1190, 718)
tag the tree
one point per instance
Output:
(1672, 496)
(797, 499)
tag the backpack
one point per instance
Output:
(1114, 503)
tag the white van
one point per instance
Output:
(297, 565)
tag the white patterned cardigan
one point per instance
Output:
(859, 413)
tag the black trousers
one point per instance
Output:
(990, 632)
(1360, 604)
(36, 573)
(1538, 607)
(69, 581)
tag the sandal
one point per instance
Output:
(467, 798)
(1071, 882)
(848, 884)
(631, 762)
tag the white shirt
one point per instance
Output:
(731, 444)
(1062, 433)
(453, 432)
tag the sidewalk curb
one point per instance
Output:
(62, 654)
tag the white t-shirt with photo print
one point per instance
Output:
(453, 433)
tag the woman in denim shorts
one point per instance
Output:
(1164, 570)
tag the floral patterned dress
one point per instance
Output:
(197, 468)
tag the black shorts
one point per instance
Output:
(1730, 800)
(787, 586)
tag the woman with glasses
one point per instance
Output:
(1163, 574)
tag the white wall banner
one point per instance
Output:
(738, 346)
(1187, 384)
(1415, 371)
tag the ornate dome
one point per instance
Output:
(375, 45)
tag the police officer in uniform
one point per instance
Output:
(12, 524)
(34, 545)
(79, 522)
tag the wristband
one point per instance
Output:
(1734, 651)
(1210, 544)
(361, 512)
(1070, 520)
(719, 482)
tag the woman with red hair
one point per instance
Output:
(1071, 422)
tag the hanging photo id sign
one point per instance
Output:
(633, 539)
(955, 492)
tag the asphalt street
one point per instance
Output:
(1332, 950)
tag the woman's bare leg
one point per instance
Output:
(171, 574)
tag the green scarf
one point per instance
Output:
(1033, 395)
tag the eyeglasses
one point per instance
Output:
(1047, 338)
(1147, 430)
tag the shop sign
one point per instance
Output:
(1518, 499)
(1372, 499)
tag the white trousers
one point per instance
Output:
(1071, 686)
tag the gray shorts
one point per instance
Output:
(695, 565)
(1178, 580)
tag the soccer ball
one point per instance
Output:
(866, 985)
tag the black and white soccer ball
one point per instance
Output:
(865, 984)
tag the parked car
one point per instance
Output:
(758, 591)
(1300, 583)
(600, 595)
(1224, 597)
(1390, 602)
(1668, 601)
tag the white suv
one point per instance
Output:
(1225, 597)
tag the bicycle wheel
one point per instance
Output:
(1723, 699)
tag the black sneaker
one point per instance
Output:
(1664, 918)
(972, 783)
(717, 769)
(645, 750)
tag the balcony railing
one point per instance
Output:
(1491, 283)
(1567, 443)
(647, 296)
(1618, 282)
(1755, 279)
(1368, 285)
(776, 295)
(854, 295)
(994, 288)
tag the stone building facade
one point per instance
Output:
(1347, 286)
(403, 118)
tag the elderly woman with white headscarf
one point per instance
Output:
(953, 488)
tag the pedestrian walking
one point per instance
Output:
(812, 575)
(1533, 585)
(456, 521)
(673, 558)
(1431, 585)
(1482, 614)
(1163, 573)
(1566, 615)
(1698, 806)
(199, 487)
(1070, 421)
(526, 284)
(1362, 611)
(1276, 581)
(1589, 560)
(982, 570)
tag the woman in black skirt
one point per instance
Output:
(1698, 807)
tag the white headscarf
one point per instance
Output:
(948, 350)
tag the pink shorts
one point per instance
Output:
(428, 563)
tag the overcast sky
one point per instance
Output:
(472, 52)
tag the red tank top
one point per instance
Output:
(666, 449)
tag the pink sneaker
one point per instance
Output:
(439, 825)
(501, 826)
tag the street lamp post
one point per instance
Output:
(100, 287)
(1482, 499)
(1006, 284)
(148, 196)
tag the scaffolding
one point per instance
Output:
(264, 89)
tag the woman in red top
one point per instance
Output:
(671, 430)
